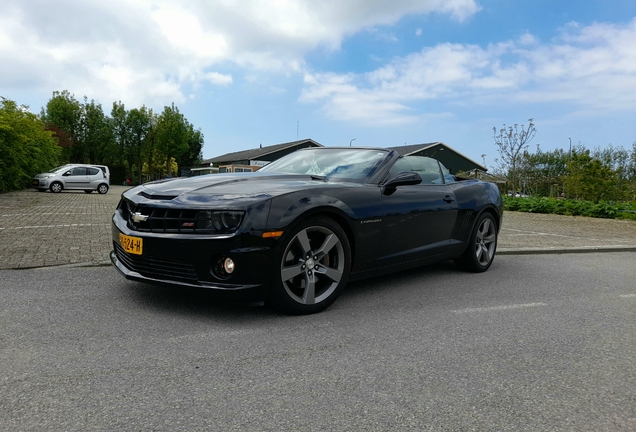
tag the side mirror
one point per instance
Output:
(66, 174)
(403, 178)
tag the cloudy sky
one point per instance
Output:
(385, 72)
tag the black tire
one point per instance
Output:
(312, 267)
(88, 191)
(102, 188)
(482, 246)
(56, 187)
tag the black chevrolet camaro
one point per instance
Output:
(296, 231)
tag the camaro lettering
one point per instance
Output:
(371, 221)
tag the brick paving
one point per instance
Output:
(40, 229)
(45, 229)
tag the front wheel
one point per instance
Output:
(313, 265)
(56, 187)
(482, 245)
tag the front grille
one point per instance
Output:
(157, 268)
(169, 220)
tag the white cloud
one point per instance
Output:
(151, 51)
(592, 67)
(527, 39)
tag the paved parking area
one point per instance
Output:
(39, 229)
(44, 229)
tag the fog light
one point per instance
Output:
(222, 267)
(228, 265)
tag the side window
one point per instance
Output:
(428, 169)
(78, 171)
(448, 177)
(402, 164)
(92, 171)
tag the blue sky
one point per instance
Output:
(386, 73)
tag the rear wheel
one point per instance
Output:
(313, 267)
(102, 188)
(56, 187)
(482, 245)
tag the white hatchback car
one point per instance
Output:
(73, 177)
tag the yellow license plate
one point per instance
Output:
(133, 245)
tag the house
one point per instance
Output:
(451, 159)
(252, 160)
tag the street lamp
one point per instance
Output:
(351, 142)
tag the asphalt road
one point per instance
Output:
(534, 344)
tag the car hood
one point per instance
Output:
(229, 189)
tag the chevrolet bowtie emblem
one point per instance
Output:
(138, 217)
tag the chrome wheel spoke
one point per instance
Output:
(309, 296)
(490, 238)
(331, 273)
(303, 240)
(327, 245)
(479, 252)
(291, 272)
(484, 229)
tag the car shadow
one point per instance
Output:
(425, 281)
(192, 301)
(427, 274)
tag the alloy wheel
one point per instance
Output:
(485, 242)
(313, 265)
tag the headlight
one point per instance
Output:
(221, 222)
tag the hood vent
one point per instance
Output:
(157, 196)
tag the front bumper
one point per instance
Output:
(39, 183)
(187, 260)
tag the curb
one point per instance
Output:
(574, 250)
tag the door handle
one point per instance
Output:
(449, 199)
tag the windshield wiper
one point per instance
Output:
(318, 177)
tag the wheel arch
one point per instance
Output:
(495, 214)
(334, 213)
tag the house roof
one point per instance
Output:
(414, 148)
(256, 153)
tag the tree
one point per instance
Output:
(63, 113)
(591, 179)
(544, 173)
(510, 143)
(96, 132)
(139, 125)
(192, 156)
(120, 133)
(172, 135)
(27, 148)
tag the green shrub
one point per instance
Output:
(601, 209)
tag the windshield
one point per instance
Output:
(350, 164)
(57, 169)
